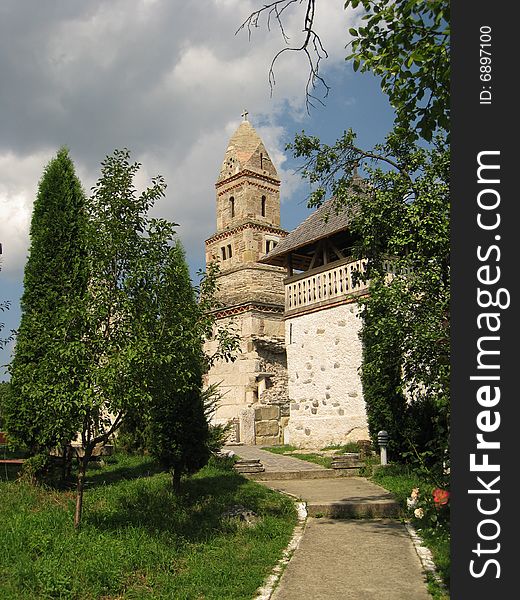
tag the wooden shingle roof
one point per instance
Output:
(324, 222)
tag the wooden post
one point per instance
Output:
(289, 265)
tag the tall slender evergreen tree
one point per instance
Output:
(46, 368)
(178, 431)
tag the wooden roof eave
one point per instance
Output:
(297, 261)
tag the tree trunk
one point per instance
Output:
(82, 470)
(176, 480)
(66, 460)
(68, 463)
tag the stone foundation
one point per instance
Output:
(268, 431)
(253, 388)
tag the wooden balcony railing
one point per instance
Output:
(326, 284)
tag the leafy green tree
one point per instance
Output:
(406, 215)
(178, 430)
(400, 219)
(175, 427)
(46, 370)
(119, 361)
(401, 210)
(407, 44)
(5, 388)
(145, 330)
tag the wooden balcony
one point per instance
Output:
(326, 285)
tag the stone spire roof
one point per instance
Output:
(246, 151)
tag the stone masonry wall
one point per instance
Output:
(243, 245)
(251, 282)
(262, 353)
(247, 202)
(272, 409)
(324, 355)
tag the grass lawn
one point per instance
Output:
(138, 539)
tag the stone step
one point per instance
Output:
(340, 497)
(346, 456)
(249, 465)
(347, 461)
(347, 465)
(305, 474)
(244, 469)
(354, 509)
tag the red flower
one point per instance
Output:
(440, 497)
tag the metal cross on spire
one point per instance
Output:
(244, 114)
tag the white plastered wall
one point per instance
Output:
(324, 355)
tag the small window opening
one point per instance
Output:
(223, 253)
(269, 245)
(232, 205)
(261, 160)
(229, 253)
(263, 206)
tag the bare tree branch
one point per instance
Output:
(312, 46)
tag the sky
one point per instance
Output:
(169, 80)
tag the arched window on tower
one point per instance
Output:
(232, 206)
(263, 206)
(261, 160)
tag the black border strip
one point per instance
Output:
(484, 127)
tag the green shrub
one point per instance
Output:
(35, 467)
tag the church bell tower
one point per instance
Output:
(251, 294)
(248, 221)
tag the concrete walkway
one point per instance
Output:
(342, 497)
(276, 463)
(323, 490)
(343, 558)
(353, 560)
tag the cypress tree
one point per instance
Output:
(46, 368)
(178, 431)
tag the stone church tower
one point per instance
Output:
(254, 387)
